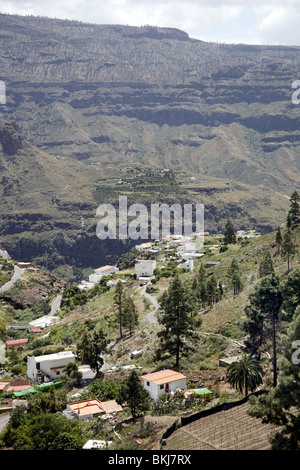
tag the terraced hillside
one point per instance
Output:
(231, 429)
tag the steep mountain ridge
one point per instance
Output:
(106, 100)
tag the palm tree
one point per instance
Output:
(245, 374)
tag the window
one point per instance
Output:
(161, 387)
(38, 366)
(148, 384)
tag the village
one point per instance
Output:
(48, 371)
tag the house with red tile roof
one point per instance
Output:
(16, 342)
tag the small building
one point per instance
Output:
(49, 366)
(186, 247)
(88, 409)
(23, 265)
(94, 444)
(226, 361)
(144, 268)
(188, 265)
(43, 322)
(114, 282)
(136, 354)
(143, 246)
(163, 382)
(16, 342)
(102, 271)
(211, 264)
(14, 386)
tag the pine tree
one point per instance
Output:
(130, 314)
(254, 327)
(268, 299)
(278, 239)
(229, 233)
(212, 290)
(133, 393)
(281, 406)
(294, 211)
(266, 266)
(91, 347)
(119, 300)
(288, 247)
(235, 277)
(201, 291)
(177, 308)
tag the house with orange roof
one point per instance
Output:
(163, 382)
(88, 409)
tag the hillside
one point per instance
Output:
(101, 104)
(220, 335)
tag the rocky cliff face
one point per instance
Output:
(96, 102)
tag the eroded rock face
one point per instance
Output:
(92, 100)
(11, 138)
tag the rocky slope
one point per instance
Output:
(96, 102)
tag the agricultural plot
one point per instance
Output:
(232, 429)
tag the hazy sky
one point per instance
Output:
(232, 21)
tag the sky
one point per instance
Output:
(233, 21)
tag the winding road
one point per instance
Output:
(151, 316)
(15, 277)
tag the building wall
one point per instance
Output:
(145, 268)
(155, 391)
(46, 365)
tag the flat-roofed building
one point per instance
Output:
(87, 409)
(50, 366)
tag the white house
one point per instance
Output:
(102, 271)
(49, 365)
(144, 267)
(43, 322)
(186, 247)
(188, 265)
(163, 382)
(143, 246)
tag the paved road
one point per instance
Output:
(151, 316)
(15, 277)
(55, 306)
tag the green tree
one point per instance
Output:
(235, 276)
(281, 406)
(288, 248)
(229, 233)
(130, 314)
(33, 430)
(91, 347)
(278, 239)
(267, 298)
(266, 266)
(212, 290)
(245, 374)
(254, 327)
(177, 320)
(200, 288)
(133, 393)
(119, 298)
(294, 211)
(290, 289)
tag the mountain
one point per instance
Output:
(97, 104)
